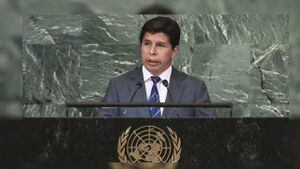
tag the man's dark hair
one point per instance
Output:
(162, 25)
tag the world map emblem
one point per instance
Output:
(149, 144)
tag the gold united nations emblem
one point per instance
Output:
(149, 144)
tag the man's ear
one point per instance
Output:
(175, 51)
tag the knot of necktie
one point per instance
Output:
(155, 79)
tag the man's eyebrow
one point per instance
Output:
(159, 42)
(146, 40)
(162, 42)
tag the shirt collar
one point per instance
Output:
(164, 75)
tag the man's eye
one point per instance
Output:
(161, 45)
(146, 43)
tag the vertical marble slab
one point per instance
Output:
(239, 35)
(50, 77)
(269, 80)
(100, 63)
(184, 58)
(225, 70)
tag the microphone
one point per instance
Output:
(138, 85)
(166, 84)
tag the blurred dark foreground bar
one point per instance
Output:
(47, 143)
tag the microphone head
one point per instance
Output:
(165, 83)
(139, 84)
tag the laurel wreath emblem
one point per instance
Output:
(121, 145)
(122, 141)
(177, 146)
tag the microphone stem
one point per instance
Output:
(133, 95)
(171, 98)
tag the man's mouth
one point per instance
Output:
(152, 62)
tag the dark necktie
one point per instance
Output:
(154, 97)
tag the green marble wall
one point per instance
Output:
(243, 58)
(75, 22)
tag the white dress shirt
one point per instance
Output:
(162, 90)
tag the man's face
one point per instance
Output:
(157, 52)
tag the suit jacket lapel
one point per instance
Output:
(134, 77)
(176, 89)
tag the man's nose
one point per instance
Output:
(153, 50)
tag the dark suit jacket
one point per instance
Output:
(183, 88)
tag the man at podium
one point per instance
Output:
(157, 80)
